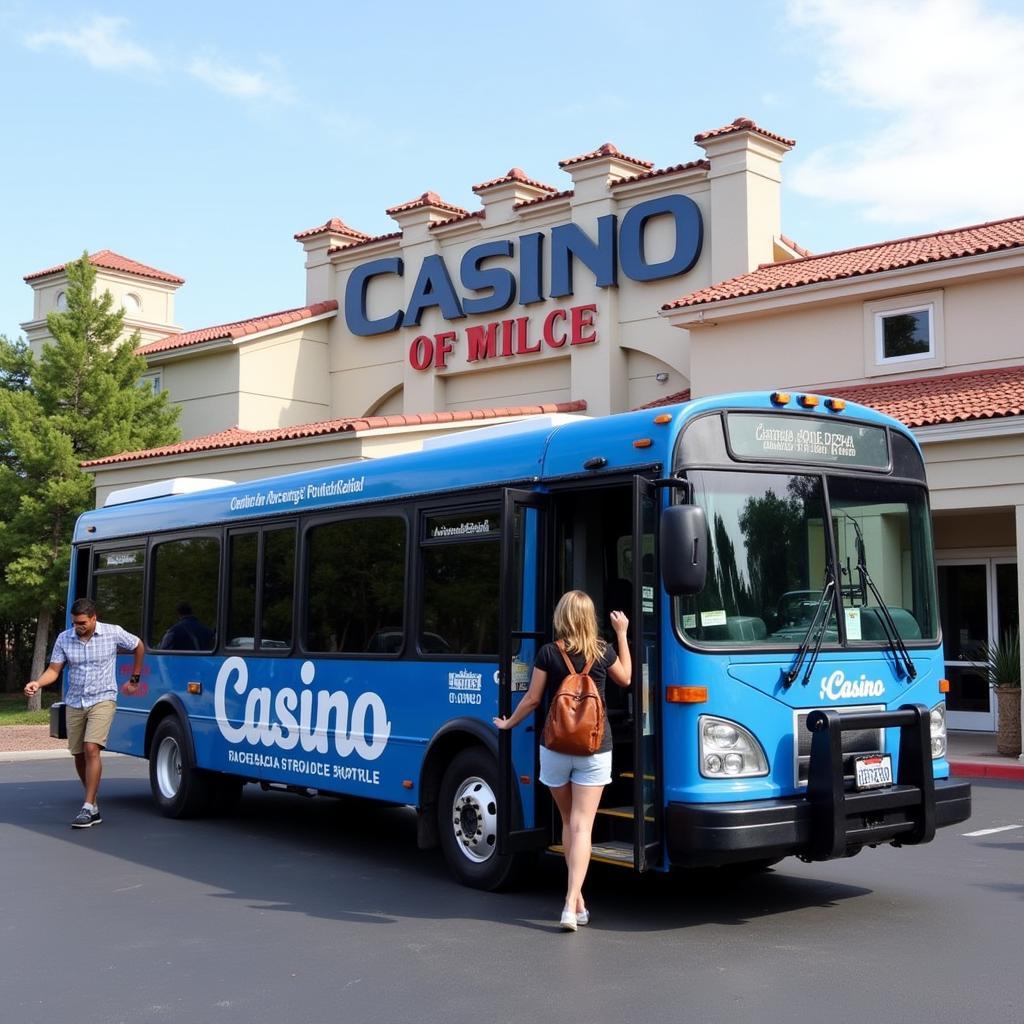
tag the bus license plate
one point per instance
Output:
(871, 771)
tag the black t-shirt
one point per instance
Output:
(549, 659)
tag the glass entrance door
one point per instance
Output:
(978, 603)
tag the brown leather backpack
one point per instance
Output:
(575, 722)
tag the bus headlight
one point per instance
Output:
(938, 724)
(728, 751)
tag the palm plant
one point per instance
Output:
(1003, 660)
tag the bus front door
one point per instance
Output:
(525, 580)
(647, 782)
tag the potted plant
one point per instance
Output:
(1003, 663)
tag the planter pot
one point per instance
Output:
(1008, 733)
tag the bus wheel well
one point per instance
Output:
(161, 711)
(442, 752)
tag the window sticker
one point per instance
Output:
(853, 624)
(715, 618)
(689, 622)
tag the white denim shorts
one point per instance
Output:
(559, 769)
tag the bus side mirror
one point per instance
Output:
(684, 549)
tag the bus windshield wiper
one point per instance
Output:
(820, 612)
(888, 623)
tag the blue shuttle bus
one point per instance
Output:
(354, 629)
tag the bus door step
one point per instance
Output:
(617, 853)
(620, 812)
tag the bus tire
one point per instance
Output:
(467, 813)
(180, 789)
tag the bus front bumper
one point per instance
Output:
(727, 833)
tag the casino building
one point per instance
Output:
(622, 285)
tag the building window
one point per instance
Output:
(153, 380)
(61, 303)
(131, 303)
(904, 334)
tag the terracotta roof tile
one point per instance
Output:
(673, 399)
(608, 149)
(109, 260)
(364, 241)
(978, 239)
(332, 227)
(239, 329)
(472, 215)
(428, 199)
(742, 124)
(567, 194)
(235, 437)
(944, 398)
(928, 401)
(795, 246)
(515, 174)
(674, 169)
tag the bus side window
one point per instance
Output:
(355, 575)
(261, 575)
(118, 587)
(184, 585)
(461, 558)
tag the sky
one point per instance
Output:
(199, 137)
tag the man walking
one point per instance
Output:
(89, 649)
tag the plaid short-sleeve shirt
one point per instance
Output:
(91, 664)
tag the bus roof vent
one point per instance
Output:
(547, 421)
(164, 489)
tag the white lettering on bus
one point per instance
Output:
(272, 722)
(838, 687)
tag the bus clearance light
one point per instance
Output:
(836, 404)
(780, 397)
(808, 401)
(686, 694)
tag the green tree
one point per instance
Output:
(80, 400)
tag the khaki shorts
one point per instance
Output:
(90, 725)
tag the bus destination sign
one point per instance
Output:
(783, 438)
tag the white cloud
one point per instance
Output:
(235, 81)
(947, 78)
(101, 42)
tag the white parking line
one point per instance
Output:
(991, 831)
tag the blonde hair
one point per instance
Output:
(575, 623)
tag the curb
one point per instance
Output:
(984, 770)
(9, 756)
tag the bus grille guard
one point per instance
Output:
(842, 821)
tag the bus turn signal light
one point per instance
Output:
(642, 442)
(943, 686)
(686, 694)
(195, 688)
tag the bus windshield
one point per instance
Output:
(769, 558)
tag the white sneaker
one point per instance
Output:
(569, 920)
(583, 917)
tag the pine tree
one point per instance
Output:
(81, 400)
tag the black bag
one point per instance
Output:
(59, 720)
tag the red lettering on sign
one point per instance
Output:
(523, 346)
(481, 342)
(549, 328)
(443, 345)
(507, 331)
(421, 352)
(582, 318)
